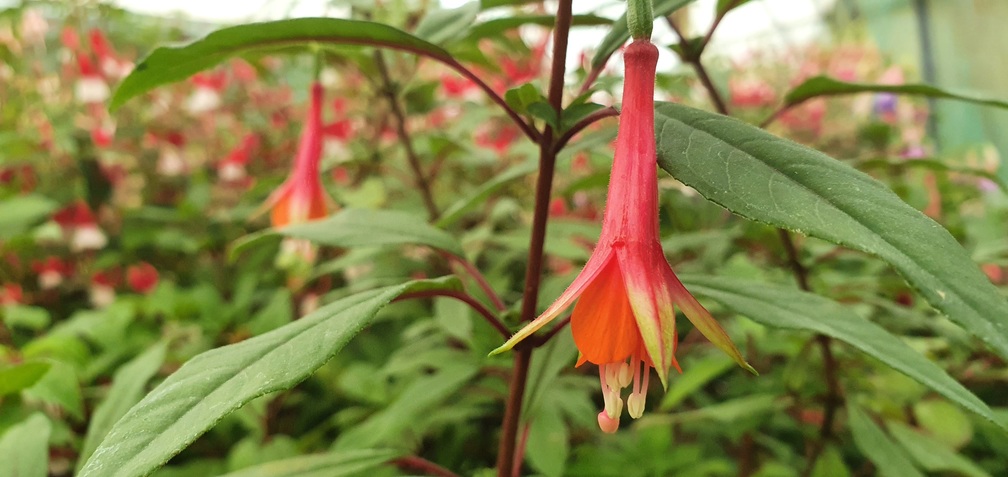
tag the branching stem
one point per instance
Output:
(544, 184)
(389, 90)
(464, 298)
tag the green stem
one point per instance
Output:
(544, 184)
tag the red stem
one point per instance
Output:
(419, 464)
(464, 298)
(481, 280)
(544, 185)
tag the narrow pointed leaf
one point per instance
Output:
(21, 376)
(457, 210)
(126, 390)
(333, 464)
(826, 86)
(888, 457)
(217, 382)
(362, 228)
(497, 26)
(778, 182)
(168, 64)
(619, 33)
(445, 25)
(783, 307)
(24, 448)
(932, 454)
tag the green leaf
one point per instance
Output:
(542, 110)
(333, 464)
(60, 386)
(24, 448)
(21, 211)
(419, 399)
(778, 182)
(446, 25)
(733, 410)
(619, 33)
(497, 26)
(548, 444)
(168, 64)
(20, 376)
(725, 6)
(937, 165)
(520, 97)
(932, 455)
(126, 390)
(457, 210)
(29, 317)
(888, 457)
(944, 421)
(826, 86)
(215, 383)
(577, 112)
(362, 228)
(783, 307)
(695, 376)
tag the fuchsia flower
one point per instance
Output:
(301, 197)
(80, 227)
(91, 86)
(51, 272)
(624, 319)
(11, 294)
(142, 277)
(207, 95)
(232, 168)
(103, 284)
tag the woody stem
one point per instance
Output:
(833, 397)
(422, 182)
(691, 54)
(544, 184)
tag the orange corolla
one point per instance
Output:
(301, 197)
(626, 294)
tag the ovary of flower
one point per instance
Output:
(626, 294)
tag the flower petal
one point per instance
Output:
(598, 260)
(602, 323)
(650, 294)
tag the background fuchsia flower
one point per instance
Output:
(51, 272)
(11, 294)
(624, 319)
(80, 227)
(232, 167)
(142, 277)
(301, 197)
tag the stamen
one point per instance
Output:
(624, 374)
(612, 372)
(610, 394)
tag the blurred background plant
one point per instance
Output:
(119, 260)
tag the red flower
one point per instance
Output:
(11, 294)
(624, 319)
(80, 227)
(142, 277)
(301, 197)
(232, 168)
(51, 272)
